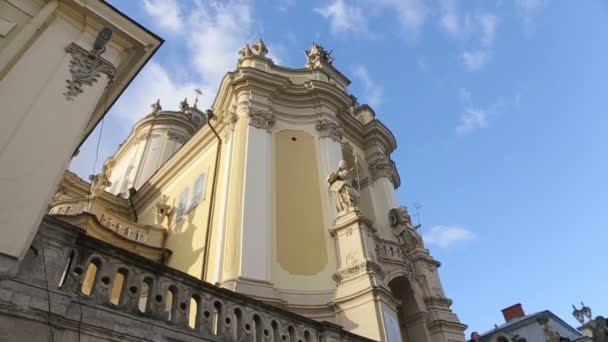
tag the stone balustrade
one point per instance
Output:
(390, 251)
(83, 286)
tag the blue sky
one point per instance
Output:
(499, 109)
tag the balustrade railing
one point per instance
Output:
(390, 251)
(88, 271)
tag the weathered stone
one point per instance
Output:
(75, 316)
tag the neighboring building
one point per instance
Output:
(537, 327)
(284, 191)
(62, 65)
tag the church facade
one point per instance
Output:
(284, 191)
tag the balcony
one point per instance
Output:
(75, 285)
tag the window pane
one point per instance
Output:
(182, 203)
(199, 189)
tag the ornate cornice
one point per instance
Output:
(85, 68)
(262, 120)
(437, 302)
(384, 167)
(329, 129)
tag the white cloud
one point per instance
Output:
(166, 12)
(446, 236)
(467, 26)
(353, 15)
(284, 5)
(217, 32)
(373, 92)
(412, 14)
(454, 24)
(475, 60)
(527, 8)
(488, 28)
(472, 119)
(465, 94)
(344, 17)
(152, 83)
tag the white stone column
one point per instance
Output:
(257, 200)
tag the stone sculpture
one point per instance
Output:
(600, 331)
(343, 186)
(156, 107)
(101, 181)
(403, 228)
(317, 55)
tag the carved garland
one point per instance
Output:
(262, 120)
(85, 68)
(329, 129)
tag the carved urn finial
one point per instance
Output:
(258, 49)
(317, 56)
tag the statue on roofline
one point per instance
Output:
(403, 228)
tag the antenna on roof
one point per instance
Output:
(418, 206)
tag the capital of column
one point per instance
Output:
(329, 129)
(262, 120)
(383, 166)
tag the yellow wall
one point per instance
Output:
(186, 236)
(300, 239)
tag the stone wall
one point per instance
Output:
(152, 303)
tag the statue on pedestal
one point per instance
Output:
(403, 228)
(343, 186)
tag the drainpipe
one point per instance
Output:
(218, 152)
(132, 193)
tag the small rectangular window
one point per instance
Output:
(198, 191)
(182, 204)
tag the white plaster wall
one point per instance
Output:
(38, 130)
(256, 232)
(151, 159)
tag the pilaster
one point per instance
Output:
(257, 200)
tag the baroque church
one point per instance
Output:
(283, 191)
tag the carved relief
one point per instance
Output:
(329, 129)
(86, 66)
(262, 120)
(384, 167)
